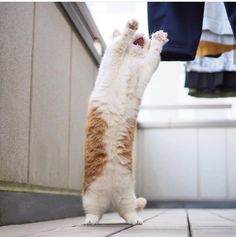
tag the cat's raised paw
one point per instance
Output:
(133, 24)
(161, 36)
(91, 219)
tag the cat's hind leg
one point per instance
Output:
(95, 204)
(131, 217)
(128, 205)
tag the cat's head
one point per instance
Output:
(139, 44)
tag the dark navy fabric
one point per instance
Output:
(211, 85)
(231, 12)
(183, 23)
(211, 81)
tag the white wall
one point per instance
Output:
(186, 144)
(166, 88)
(186, 163)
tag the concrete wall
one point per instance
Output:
(46, 76)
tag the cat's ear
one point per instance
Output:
(115, 33)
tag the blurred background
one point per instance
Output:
(49, 58)
(185, 144)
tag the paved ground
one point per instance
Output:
(157, 222)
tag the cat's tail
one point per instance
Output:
(141, 203)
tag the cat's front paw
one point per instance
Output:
(161, 37)
(133, 24)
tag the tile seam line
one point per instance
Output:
(190, 234)
(130, 226)
(58, 228)
(222, 217)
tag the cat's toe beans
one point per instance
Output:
(161, 36)
(133, 24)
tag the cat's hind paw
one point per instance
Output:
(132, 219)
(160, 36)
(133, 24)
(91, 219)
(135, 221)
(139, 221)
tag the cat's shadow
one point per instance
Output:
(113, 224)
(105, 224)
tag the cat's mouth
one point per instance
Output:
(139, 41)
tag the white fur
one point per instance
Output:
(123, 75)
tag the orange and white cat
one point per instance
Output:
(125, 70)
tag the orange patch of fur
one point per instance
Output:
(126, 148)
(95, 157)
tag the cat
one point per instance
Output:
(125, 70)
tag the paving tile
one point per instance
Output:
(110, 218)
(224, 213)
(138, 232)
(83, 231)
(171, 219)
(204, 223)
(31, 228)
(157, 222)
(110, 223)
(214, 235)
(202, 218)
(171, 223)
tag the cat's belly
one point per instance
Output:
(117, 175)
(119, 143)
(115, 180)
(110, 190)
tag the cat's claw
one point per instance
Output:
(133, 24)
(160, 36)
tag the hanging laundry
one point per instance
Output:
(183, 22)
(212, 77)
(217, 36)
(226, 62)
(211, 49)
